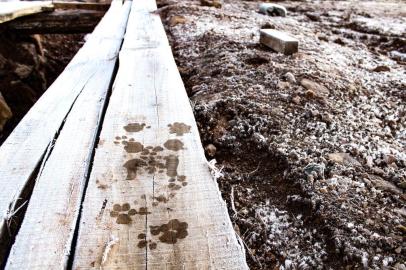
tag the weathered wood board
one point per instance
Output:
(56, 22)
(24, 149)
(15, 9)
(151, 201)
(45, 237)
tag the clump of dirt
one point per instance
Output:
(312, 145)
(28, 66)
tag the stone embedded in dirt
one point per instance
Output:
(272, 9)
(211, 3)
(381, 69)
(343, 159)
(315, 170)
(23, 71)
(210, 150)
(279, 41)
(174, 20)
(384, 185)
(318, 89)
(290, 77)
(296, 100)
(5, 112)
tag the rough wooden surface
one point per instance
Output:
(56, 22)
(151, 201)
(45, 238)
(15, 9)
(81, 5)
(24, 149)
(279, 41)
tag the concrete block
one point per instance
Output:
(279, 41)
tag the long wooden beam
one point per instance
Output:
(81, 5)
(69, 111)
(56, 22)
(151, 202)
(12, 10)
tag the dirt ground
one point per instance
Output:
(28, 66)
(312, 146)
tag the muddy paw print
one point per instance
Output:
(170, 232)
(144, 242)
(130, 145)
(176, 184)
(179, 128)
(122, 213)
(135, 127)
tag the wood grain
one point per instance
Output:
(151, 201)
(15, 9)
(90, 70)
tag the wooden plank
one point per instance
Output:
(45, 237)
(151, 201)
(81, 5)
(15, 9)
(24, 149)
(56, 22)
(279, 41)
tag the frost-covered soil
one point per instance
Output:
(313, 146)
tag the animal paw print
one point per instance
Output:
(179, 128)
(168, 233)
(176, 184)
(135, 127)
(144, 242)
(130, 145)
(122, 213)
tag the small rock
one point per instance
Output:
(283, 85)
(211, 3)
(317, 88)
(384, 185)
(389, 159)
(323, 190)
(401, 228)
(327, 118)
(343, 159)
(272, 9)
(296, 100)
(402, 184)
(398, 250)
(381, 69)
(315, 170)
(210, 150)
(310, 94)
(290, 78)
(23, 71)
(174, 20)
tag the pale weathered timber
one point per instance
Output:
(81, 5)
(15, 9)
(151, 201)
(279, 41)
(24, 149)
(56, 22)
(45, 237)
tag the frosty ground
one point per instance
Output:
(312, 146)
